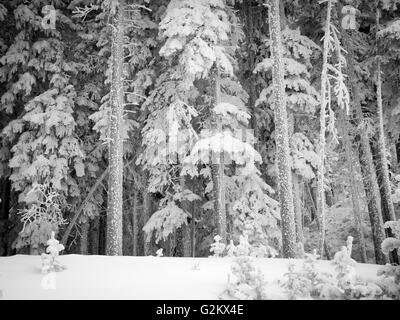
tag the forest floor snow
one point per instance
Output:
(139, 278)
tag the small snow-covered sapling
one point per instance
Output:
(49, 259)
(246, 282)
(231, 249)
(300, 254)
(159, 252)
(350, 285)
(392, 243)
(243, 248)
(389, 275)
(297, 286)
(217, 248)
(345, 265)
(196, 266)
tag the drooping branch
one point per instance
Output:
(82, 206)
(74, 219)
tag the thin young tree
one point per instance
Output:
(388, 213)
(325, 97)
(332, 81)
(381, 140)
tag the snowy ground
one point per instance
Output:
(102, 277)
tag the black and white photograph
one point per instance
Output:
(200, 150)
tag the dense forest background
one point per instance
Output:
(111, 126)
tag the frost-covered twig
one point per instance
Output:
(46, 207)
(82, 12)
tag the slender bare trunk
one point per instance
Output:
(114, 210)
(384, 164)
(324, 101)
(219, 173)
(388, 213)
(171, 244)
(146, 216)
(282, 137)
(135, 227)
(250, 83)
(296, 179)
(186, 234)
(298, 208)
(372, 194)
(84, 243)
(354, 188)
(314, 207)
(193, 227)
(94, 235)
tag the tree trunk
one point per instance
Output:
(171, 244)
(4, 215)
(298, 208)
(187, 241)
(219, 173)
(386, 190)
(115, 191)
(102, 234)
(251, 85)
(324, 101)
(195, 211)
(385, 205)
(282, 15)
(282, 138)
(146, 216)
(94, 235)
(84, 243)
(179, 242)
(314, 207)
(354, 188)
(296, 189)
(388, 213)
(372, 194)
(312, 199)
(186, 234)
(135, 227)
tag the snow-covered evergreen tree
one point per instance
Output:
(302, 100)
(329, 71)
(40, 88)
